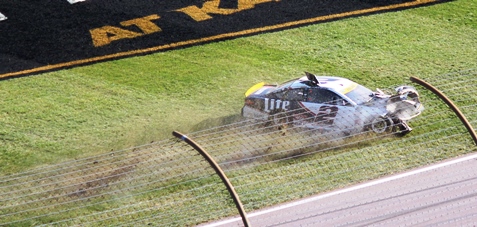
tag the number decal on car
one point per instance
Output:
(326, 115)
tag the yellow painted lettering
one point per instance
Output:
(144, 23)
(249, 4)
(195, 13)
(106, 34)
(212, 7)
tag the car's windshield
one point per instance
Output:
(360, 94)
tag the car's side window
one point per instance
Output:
(324, 96)
(278, 94)
(295, 95)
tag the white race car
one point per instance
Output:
(333, 103)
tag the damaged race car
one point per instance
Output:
(333, 103)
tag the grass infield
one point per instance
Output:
(87, 110)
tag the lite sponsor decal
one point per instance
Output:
(48, 35)
(275, 104)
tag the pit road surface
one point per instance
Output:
(444, 194)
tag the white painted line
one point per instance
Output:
(353, 188)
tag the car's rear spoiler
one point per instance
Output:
(254, 88)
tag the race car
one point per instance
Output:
(333, 103)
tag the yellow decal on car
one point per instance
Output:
(348, 88)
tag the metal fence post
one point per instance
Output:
(219, 172)
(449, 103)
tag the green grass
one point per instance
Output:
(87, 110)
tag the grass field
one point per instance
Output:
(87, 110)
(111, 106)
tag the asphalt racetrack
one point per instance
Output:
(443, 194)
(41, 35)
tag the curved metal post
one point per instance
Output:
(219, 171)
(449, 103)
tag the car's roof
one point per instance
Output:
(338, 84)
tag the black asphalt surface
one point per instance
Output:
(440, 195)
